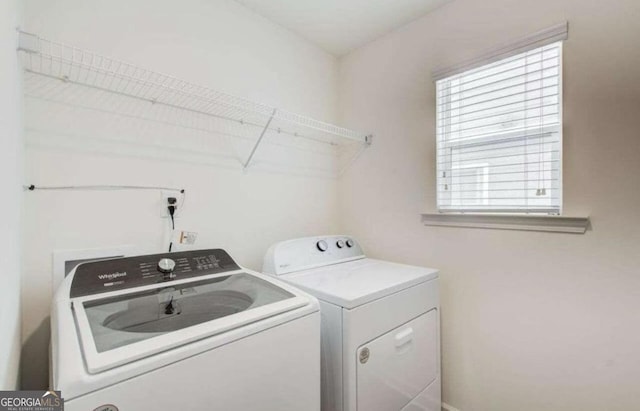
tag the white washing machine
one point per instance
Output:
(380, 324)
(183, 331)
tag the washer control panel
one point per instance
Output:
(121, 273)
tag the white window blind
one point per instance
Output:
(499, 135)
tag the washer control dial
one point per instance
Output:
(322, 245)
(349, 243)
(340, 243)
(166, 265)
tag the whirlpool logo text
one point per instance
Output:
(112, 276)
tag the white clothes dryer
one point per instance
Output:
(380, 324)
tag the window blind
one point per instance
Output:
(499, 135)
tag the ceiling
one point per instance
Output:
(340, 26)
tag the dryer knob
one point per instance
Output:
(322, 245)
(340, 243)
(349, 243)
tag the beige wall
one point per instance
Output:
(530, 321)
(219, 44)
(10, 184)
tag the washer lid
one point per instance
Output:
(119, 327)
(358, 282)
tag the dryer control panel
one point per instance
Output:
(121, 273)
(310, 252)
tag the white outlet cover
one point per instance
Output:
(164, 203)
(187, 237)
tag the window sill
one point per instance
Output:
(545, 223)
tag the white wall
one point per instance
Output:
(10, 184)
(215, 43)
(531, 321)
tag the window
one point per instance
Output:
(499, 135)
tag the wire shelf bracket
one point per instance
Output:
(84, 68)
(258, 141)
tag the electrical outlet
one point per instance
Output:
(164, 203)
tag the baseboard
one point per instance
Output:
(447, 407)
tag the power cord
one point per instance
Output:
(172, 207)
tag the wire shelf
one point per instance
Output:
(78, 67)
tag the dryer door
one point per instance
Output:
(395, 367)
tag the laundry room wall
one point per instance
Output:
(10, 205)
(530, 321)
(73, 140)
